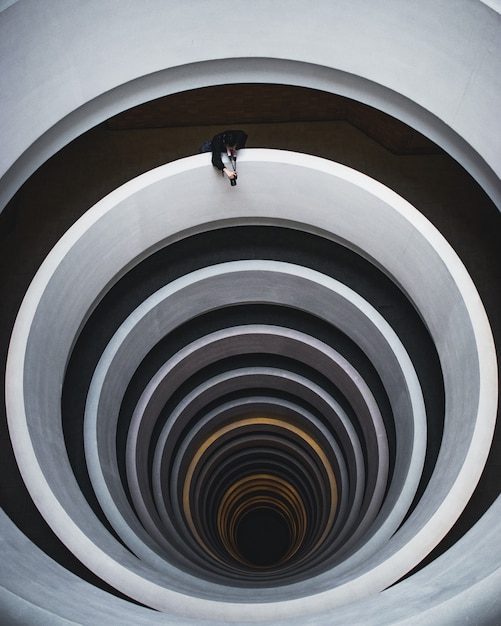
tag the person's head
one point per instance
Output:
(229, 140)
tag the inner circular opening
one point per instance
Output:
(263, 537)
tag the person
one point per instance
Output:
(229, 141)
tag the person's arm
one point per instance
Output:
(218, 148)
(241, 140)
(217, 162)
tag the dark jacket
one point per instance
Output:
(235, 138)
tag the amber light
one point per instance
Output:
(263, 518)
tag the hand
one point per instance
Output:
(230, 173)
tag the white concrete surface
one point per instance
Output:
(275, 188)
(435, 65)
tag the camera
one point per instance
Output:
(233, 181)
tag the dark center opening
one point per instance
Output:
(263, 537)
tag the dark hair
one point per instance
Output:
(229, 139)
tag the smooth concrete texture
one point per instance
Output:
(349, 189)
(49, 98)
(248, 282)
(435, 65)
(275, 341)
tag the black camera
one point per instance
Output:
(233, 181)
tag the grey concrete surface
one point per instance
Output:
(460, 65)
(402, 223)
(446, 84)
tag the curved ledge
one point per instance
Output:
(275, 188)
(449, 114)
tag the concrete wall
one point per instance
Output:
(434, 65)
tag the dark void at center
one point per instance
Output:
(263, 537)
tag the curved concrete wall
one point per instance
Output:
(351, 208)
(443, 81)
(434, 65)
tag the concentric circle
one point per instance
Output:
(275, 421)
